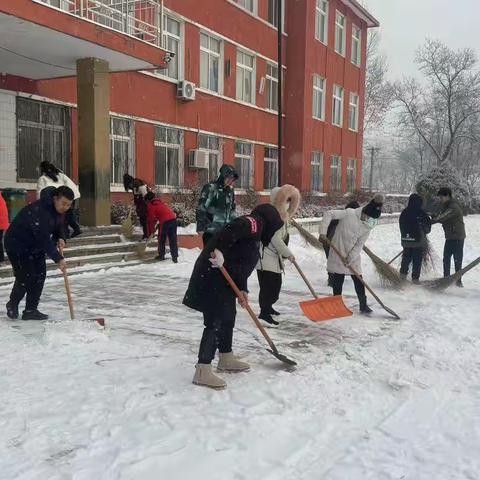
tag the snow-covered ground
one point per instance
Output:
(371, 398)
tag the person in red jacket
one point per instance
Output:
(157, 211)
(3, 224)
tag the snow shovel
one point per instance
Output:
(99, 320)
(362, 281)
(321, 309)
(127, 225)
(273, 349)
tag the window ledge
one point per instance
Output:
(319, 119)
(353, 131)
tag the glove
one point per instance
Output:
(217, 259)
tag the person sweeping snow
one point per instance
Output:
(158, 211)
(350, 236)
(415, 224)
(236, 247)
(140, 190)
(270, 266)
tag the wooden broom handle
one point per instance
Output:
(69, 292)
(312, 291)
(238, 293)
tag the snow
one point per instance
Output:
(371, 398)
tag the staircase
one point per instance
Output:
(96, 249)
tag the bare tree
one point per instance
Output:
(378, 91)
(442, 111)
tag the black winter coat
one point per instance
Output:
(36, 229)
(239, 241)
(415, 224)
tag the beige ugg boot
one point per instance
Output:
(206, 378)
(228, 363)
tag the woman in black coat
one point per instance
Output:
(236, 247)
(415, 224)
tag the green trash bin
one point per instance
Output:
(16, 199)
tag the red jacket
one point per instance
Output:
(3, 213)
(157, 211)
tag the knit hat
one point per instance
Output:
(374, 208)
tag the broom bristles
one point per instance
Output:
(309, 237)
(387, 273)
(445, 282)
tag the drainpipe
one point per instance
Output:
(279, 101)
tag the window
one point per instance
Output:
(43, 134)
(351, 174)
(270, 168)
(335, 173)
(317, 172)
(321, 21)
(168, 157)
(121, 149)
(244, 164)
(340, 31)
(250, 5)
(245, 77)
(210, 62)
(213, 145)
(172, 41)
(272, 87)
(353, 112)
(273, 13)
(337, 115)
(356, 45)
(318, 97)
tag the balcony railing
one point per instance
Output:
(139, 18)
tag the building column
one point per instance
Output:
(93, 100)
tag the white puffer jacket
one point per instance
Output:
(63, 181)
(350, 237)
(286, 200)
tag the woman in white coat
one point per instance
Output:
(270, 267)
(51, 176)
(353, 229)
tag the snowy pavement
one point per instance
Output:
(371, 398)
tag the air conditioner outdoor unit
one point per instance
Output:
(199, 159)
(186, 90)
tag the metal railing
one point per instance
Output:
(141, 19)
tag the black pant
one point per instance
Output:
(206, 237)
(30, 272)
(270, 286)
(337, 280)
(143, 222)
(415, 257)
(71, 219)
(218, 333)
(452, 248)
(168, 229)
(2, 255)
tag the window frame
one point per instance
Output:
(240, 4)
(272, 160)
(358, 41)
(354, 107)
(211, 151)
(322, 14)
(211, 53)
(181, 46)
(253, 72)
(130, 140)
(44, 128)
(337, 99)
(343, 28)
(243, 156)
(318, 93)
(351, 174)
(169, 146)
(317, 161)
(272, 12)
(269, 81)
(338, 168)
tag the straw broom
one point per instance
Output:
(445, 282)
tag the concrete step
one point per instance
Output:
(93, 240)
(87, 250)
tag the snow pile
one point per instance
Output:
(371, 398)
